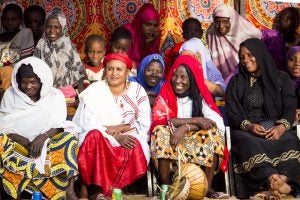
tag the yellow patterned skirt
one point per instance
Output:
(196, 147)
(18, 172)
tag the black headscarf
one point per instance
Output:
(272, 83)
(25, 71)
(193, 93)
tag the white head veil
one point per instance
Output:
(19, 114)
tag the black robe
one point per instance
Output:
(270, 99)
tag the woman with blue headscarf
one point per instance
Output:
(150, 75)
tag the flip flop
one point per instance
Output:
(101, 196)
(219, 195)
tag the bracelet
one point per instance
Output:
(47, 135)
(189, 127)
(244, 125)
(285, 123)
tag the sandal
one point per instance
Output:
(219, 195)
(101, 196)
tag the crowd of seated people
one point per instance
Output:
(135, 106)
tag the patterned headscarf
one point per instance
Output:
(61, 55)
(141, 70)
(225, 48)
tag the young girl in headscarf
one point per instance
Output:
(150, 75)
(293, 68)
(144, 30)
(57, 50)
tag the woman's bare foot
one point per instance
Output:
(278, 184)
(283, 177)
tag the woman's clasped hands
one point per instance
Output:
(118, 131)
(273, 133)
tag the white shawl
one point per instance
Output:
(98, 108)
(19, 114)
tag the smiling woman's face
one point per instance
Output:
(116, 73)
(31, 87)
(153, 73)
(180, 80)
(293, 64)
(248, 61)
(222, 24)
(53, 29)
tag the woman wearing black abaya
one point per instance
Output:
(261, 107)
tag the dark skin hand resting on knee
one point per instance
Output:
(34, 147)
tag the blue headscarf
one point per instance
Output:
(140, 74)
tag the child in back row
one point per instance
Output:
(94, 51)
(120, 42)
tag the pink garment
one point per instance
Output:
(138, 49)
(225, 49)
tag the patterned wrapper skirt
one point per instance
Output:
(196, 147)
(18, 172)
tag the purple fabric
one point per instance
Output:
(276, 45)
(292, 51)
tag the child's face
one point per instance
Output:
(35, 22)
(53, 29)
(95, 53)
(285, 20)
(150, 30)
(11, 21)
(120, 45)
(293, 64)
